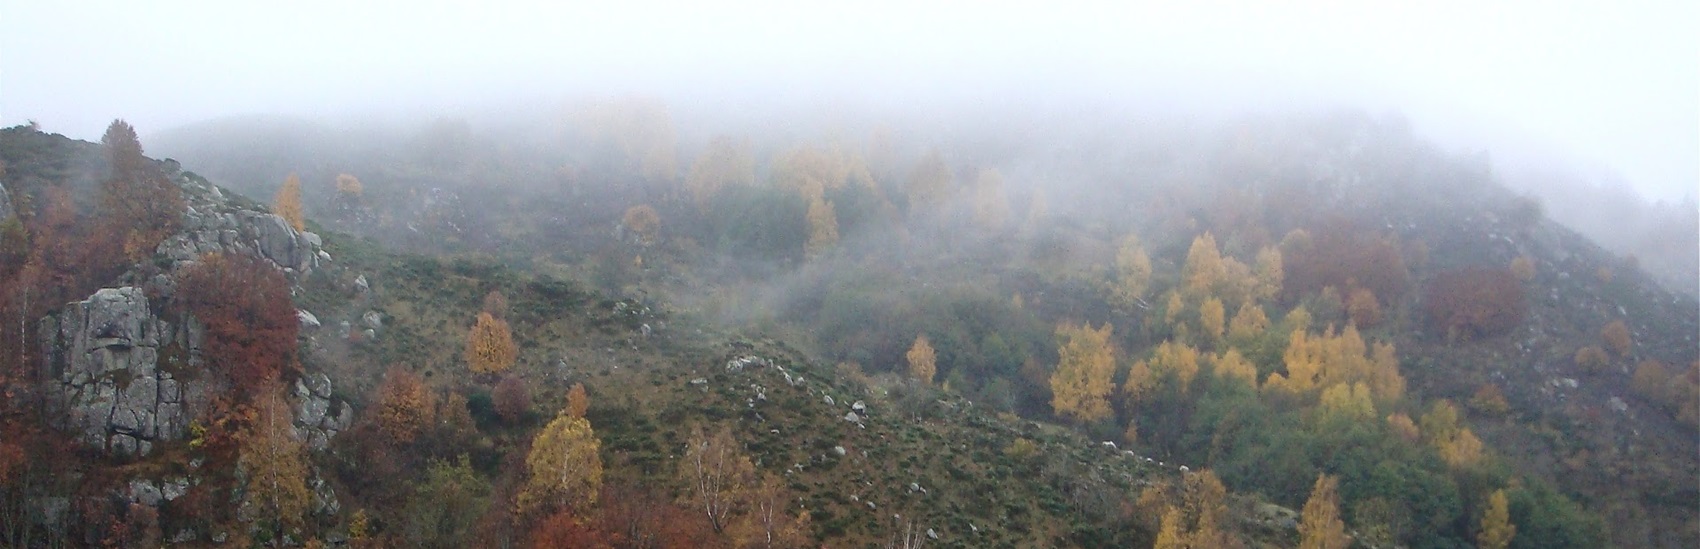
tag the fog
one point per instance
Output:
(1612, 86)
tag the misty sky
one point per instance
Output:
(1613, 85)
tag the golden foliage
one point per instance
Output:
(577, 402)
(767, 525)
(717, 474)
(1082, 381)
(1496, 529)
(1592, 359)
(276, 464)
(1349, 401)
(1172, 534)
(1616, 337)
(1464, 450)
(1200, 517)
(1247, 324)
(349, 186)
(1203, 269)
(563, 470)
(1330, 359)
(1211, 317)
(1133, 274)
(287, 203)
(404, 406)
(1457, 445)
(643, 222)
(923, 363)
(490, 346)
(1173, 310)
(823, 228)
(1321, 527)
(1177, 359)
(1230, 365)
(1269, 274)
(725, 163)
(1402, 427)
(1523, 268)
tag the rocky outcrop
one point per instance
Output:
(211, 224)
(106, 353)
(317, 417)
(5, 203)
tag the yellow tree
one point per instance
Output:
(1203, 270)
(823, 228)
(1321, 527)
(490, 346)
(276, 465)
(1081, 384)
(923, 363)
(1616, 337)
(1231, 365)
(768, 525)
(1496, 528)
(1211, 319)
(1247, 324)
(287, 203)
(1133, 274)
(349, 186)
(1269, 274)
(564, 469)
(717, 473)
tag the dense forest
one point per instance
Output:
(591, 326)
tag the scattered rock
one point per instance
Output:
(372, 319)
(360, 284)
(308, 321)
(838, 451)
(932, 535)
(853, 418)
(829, 401)
(700, 381)
(1617, 405)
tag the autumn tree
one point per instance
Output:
(250, 321)
(1474, 302)
(1170, 360)
(404, 407)
(922, 361)
(563, 470)
(275, 463)
(717, 474)
(1230, 365)
(1456, 444)
(490, 346)
(139, 207)
(823, 228)
(1196, 516)
(287, 203)
(1321, 527)
(577, 402)
(349, 187)
(1592, 359)
(726, 162)
(643, 222)
(1496, 530)
(1211, 320)
(512, 399)
(1247, 324)
(768, 525)
(1362, 308)
(562, 529)
(1132, 276)
(1616, 337)
(1086, 362)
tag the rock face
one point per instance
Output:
(105, 352)
(5, 203)
(315, 422)
(212, 225)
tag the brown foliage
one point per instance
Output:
(138, 206)
(1489, 399)
(250, 321)
(562, 529)
(1474, 302)
(1342, 256)
(1523, 268)
(577, 402)
(1616, 338)
(490, 345)
(1592, 359)
(512, 399)
(1363, 308)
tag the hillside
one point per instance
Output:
(1277, 300)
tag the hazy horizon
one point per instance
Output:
(1611, 92)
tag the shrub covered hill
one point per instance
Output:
(1313, 331)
